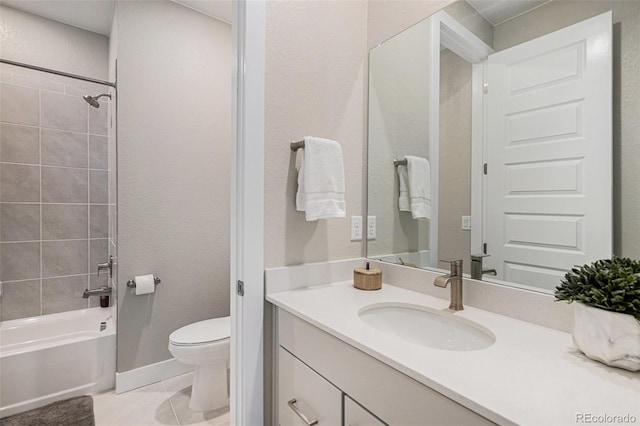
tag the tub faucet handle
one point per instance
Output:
(107, 266)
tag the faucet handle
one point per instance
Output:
(478, 257)
(456, 265)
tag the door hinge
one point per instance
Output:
(485, 168)
(485, 88)
(240, 288)
(484, 248)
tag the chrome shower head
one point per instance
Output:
(93, 100)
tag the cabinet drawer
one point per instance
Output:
(302, 389)
(355, 415)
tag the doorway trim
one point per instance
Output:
(247, 213)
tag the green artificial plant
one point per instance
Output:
(609, 284)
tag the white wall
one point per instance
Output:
(315, 85)
(174, 111)
(39, 41)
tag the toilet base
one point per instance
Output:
(209, 391)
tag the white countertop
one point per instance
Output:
(531, 375)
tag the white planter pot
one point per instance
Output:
(608, 337)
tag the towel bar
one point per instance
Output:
(397, 163)
(297, 145)
(132, 283)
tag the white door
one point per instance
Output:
(549, 154)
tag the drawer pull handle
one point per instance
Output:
(300, 414)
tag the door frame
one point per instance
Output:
(448, 32)
(247, 213)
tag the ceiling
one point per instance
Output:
(96, 15)
(498, 11)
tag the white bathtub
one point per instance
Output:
(52, 357)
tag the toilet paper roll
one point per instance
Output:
(145, 284)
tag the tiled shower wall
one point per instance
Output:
(54, 197)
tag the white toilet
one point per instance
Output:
(205, 345)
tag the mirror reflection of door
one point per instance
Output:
(549, 154)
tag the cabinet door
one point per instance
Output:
(355, 415)
(305, 397)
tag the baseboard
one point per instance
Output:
(149, 374)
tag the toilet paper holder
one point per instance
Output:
(132, 283)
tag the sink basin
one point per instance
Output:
(427, 327)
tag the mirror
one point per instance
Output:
(519, 139)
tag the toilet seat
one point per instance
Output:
(202, 332)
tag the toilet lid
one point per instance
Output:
(202, 332)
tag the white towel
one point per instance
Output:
(404, 203)
(321, 179)
(419, 173)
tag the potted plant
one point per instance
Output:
(607, 315)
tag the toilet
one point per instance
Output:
(205, 345)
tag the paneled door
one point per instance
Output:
(549, 154)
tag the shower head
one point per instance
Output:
(93, 100)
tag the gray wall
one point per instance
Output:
(399, 73)
(626, 96)
(39, 41)
(455, 158)
(174, 112)
(315, 85)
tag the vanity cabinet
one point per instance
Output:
(319, 366)
(355, 415)
(304, 394)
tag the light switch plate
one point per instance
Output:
(356, 228)
(371, 228)
(466, 223)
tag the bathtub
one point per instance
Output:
(52, 357)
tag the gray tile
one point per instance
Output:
(64, 258)
(64, 185)
(62, 148)
(20, 299)
(99, 222)
(20, 261)
(64, 112)
(65, 222)
(99, 187)
(99, 254)
(19, 105)
(38, 80)
(19, 183)
(63, 294)
(81, 88)
(19, 144)
(98, 152)
(98, 118)
(19, 222)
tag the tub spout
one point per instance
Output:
(97, 292)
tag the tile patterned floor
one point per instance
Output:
(162, 403)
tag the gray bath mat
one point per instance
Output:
(76, 411)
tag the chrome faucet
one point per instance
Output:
(102, 291)
(455, 279)
(107, 266)
(476, 267)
